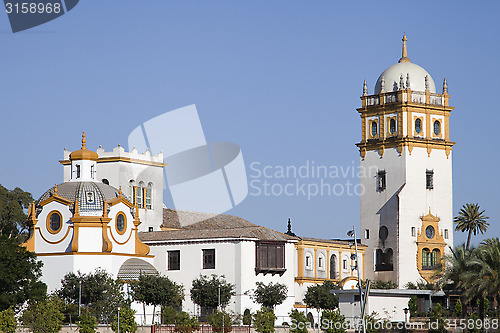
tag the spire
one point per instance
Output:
(445, 86)
(404, 57)
(84, 142)
(289, 232)
(55, 190)
(365, 89)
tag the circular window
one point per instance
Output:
(121, 223)
(392, 126)
(418, 125)
(429, 232)
(54, 222)
(374, 128)
(383, 233)
(437, 127)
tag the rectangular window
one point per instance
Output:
(445, 233)
(150, 229)
(429, 179)
(413, 233)
(174, 260)
(209, 259)
(367, 233)
(344, 264)
(381, 180)
(270, 257)
(320, 262)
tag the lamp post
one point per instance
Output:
(352, 233)
(80, 299)
(118, 319)
(406, 317)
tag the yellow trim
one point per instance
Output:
(395, 118)
(315, 263)
(122, 232)
(300, 259)
(57, 198)
(125, 242)
(56, 242)
(49, 229)
(370, 129)
(300, 306)
(316, 280)
(437, 242)
(107, 246)
(340, 264)
(414, 127)
(92, 254)
(121, 159)
(119, 199)
(440, 134)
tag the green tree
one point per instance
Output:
(12, 217)
(456, 264)
(383, 285)
(320, 297)
(44, 316)
(269, 295)
(101, 293)
(472, 220)
(8, 321)
(157, 290)
(168, 315)
(332, 321)
(20, 275)
(127, 320)
(87, 324)
(205, 291)
(185, 323)
(220, 322)
(247, 317)
(300, 323)
(436, 321)
(263, 321)
(413, 306)
(458, 308)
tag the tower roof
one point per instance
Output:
(83, 153)
(417, 77)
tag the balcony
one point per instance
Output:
(416, 97)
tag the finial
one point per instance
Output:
(84, 142)
(290, 223)
(55, 189)
(445, 86)
(365, 89)
(401, 82)
(382, 85)
(77, 208)
(105, 209)
(120, 191)
(427, 82)
(404, 57)
(408, 81)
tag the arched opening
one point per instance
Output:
(105, 181)
(437, 127)
(374, 128)
(418, 125)
(333, 267)
(435, 258)
(131, 191)
(426, 259)
(384, 260)
(392, 126)
(140, 196)
(133, 268)
(149, 196)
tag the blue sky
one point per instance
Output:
(282, 79)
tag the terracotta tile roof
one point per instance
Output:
(193, 225)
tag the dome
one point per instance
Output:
(90, 195)
(393, 74)
(83, 153)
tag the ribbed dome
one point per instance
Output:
(90, 195)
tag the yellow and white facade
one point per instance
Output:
(405, 156)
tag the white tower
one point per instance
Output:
(406, 206)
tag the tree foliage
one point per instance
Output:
(320, 297)
(332, 321)
(157, 290)
(220, 321)
(269, 295)
(413, 306)
(205, 291)
(12, 216)
(247, 317)
(44, 316)
(471, 219)
(300, 323)
(263, 321)
(378, 284)
(185, 323)
(87, 323)
(101, 293)
(20, 275)
(127, 320)
(8, 321)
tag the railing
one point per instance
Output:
(437, 100)
(372, 100)
(417, 97)
(391, 97)
(203, 329)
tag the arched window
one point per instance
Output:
(437, 127)
(333, 267)
(105, 181)
(418, 125)
(388, 256)
(140, 192)
(149, 196)
(121, 223)
(374, 128)
(426, 259)
(392, 126)
(434, 257)
(321, 262)
(54, 222)
(131, 191)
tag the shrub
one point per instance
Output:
(127, 321)
(332, 322)
(413, 306)
(300, 323)
(87, 324)
(264, 321)
(8, 321)
(220, 322)
(184, 323)
(247, 317)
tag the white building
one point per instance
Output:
(405, 148)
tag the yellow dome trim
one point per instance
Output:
(83, 153)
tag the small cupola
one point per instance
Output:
(83, 163)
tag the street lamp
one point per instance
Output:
(80, 299)
(406, 316)
(352, 233)
(118, 319)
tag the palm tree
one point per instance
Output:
(471, 220)
(456, 264)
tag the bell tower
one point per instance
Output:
(406, 174)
